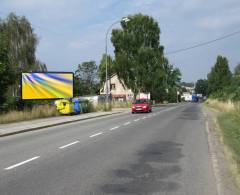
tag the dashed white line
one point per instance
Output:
(67, 145)
(127, 123)
(114, 128)
(21, 163)
(137, 119)
(144, 117)
(94, 135)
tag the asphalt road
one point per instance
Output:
(164, 152)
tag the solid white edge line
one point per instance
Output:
(114, 128)
(21, 163)
(67, 145)
(94, 135)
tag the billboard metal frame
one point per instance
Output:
(50, 72)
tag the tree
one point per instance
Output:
(86, 78)
(5, 73)
(220, 75)
(236, 78)
(138, 53)
(102, 68)
(237, 70)
(201, 87)
(22, 43)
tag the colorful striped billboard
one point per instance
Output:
(49, 85)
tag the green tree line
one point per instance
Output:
(221, 83)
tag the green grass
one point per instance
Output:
(229, 123)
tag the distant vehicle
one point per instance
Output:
(195, 98)
(141, 105)
(187, 97)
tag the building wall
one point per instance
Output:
(120, 92)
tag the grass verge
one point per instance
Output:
(228, 120)
(230, 125)
(41, 111)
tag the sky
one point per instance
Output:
(73, 31)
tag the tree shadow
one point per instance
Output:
(156, 163)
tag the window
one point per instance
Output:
(112, 87)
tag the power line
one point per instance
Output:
(203, 43)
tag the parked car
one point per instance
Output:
(141, 105)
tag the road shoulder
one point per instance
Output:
(218, 154)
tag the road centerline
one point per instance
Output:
(22, 163)
(127, 123)
(114, 128)
(94, 135)
(67, 145)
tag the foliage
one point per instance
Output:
(220, 75)
(102, 68)
(18, 44)
(222, 84)
(187, 84)
(5, 73)
(201, 87)
(139, 59)
(86, 79)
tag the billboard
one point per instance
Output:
(49, 85)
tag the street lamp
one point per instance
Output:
(106, 51)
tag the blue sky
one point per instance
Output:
(73, 31)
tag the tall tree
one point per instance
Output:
(237, 70)
(22, 43)
(86, 78)
(6, 74)
(137, 52)
(220, 75)
(102, 68)
(201, 87)
(236, 77)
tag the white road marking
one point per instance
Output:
(144, 117)
(67, 145)
(137, 119)
(94, 135)
(21, 163)
(127, 123)
(114, 128)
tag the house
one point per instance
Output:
(117, 89)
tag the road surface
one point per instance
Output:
(163, 152)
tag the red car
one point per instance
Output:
(141, 105)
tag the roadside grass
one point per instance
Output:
(229, 123)
(228, 120)
(41, 111)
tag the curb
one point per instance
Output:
(55, 124)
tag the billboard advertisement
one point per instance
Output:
(49, 85)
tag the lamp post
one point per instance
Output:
(106, 51)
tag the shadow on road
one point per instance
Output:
(151, 174)
(190, 113)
